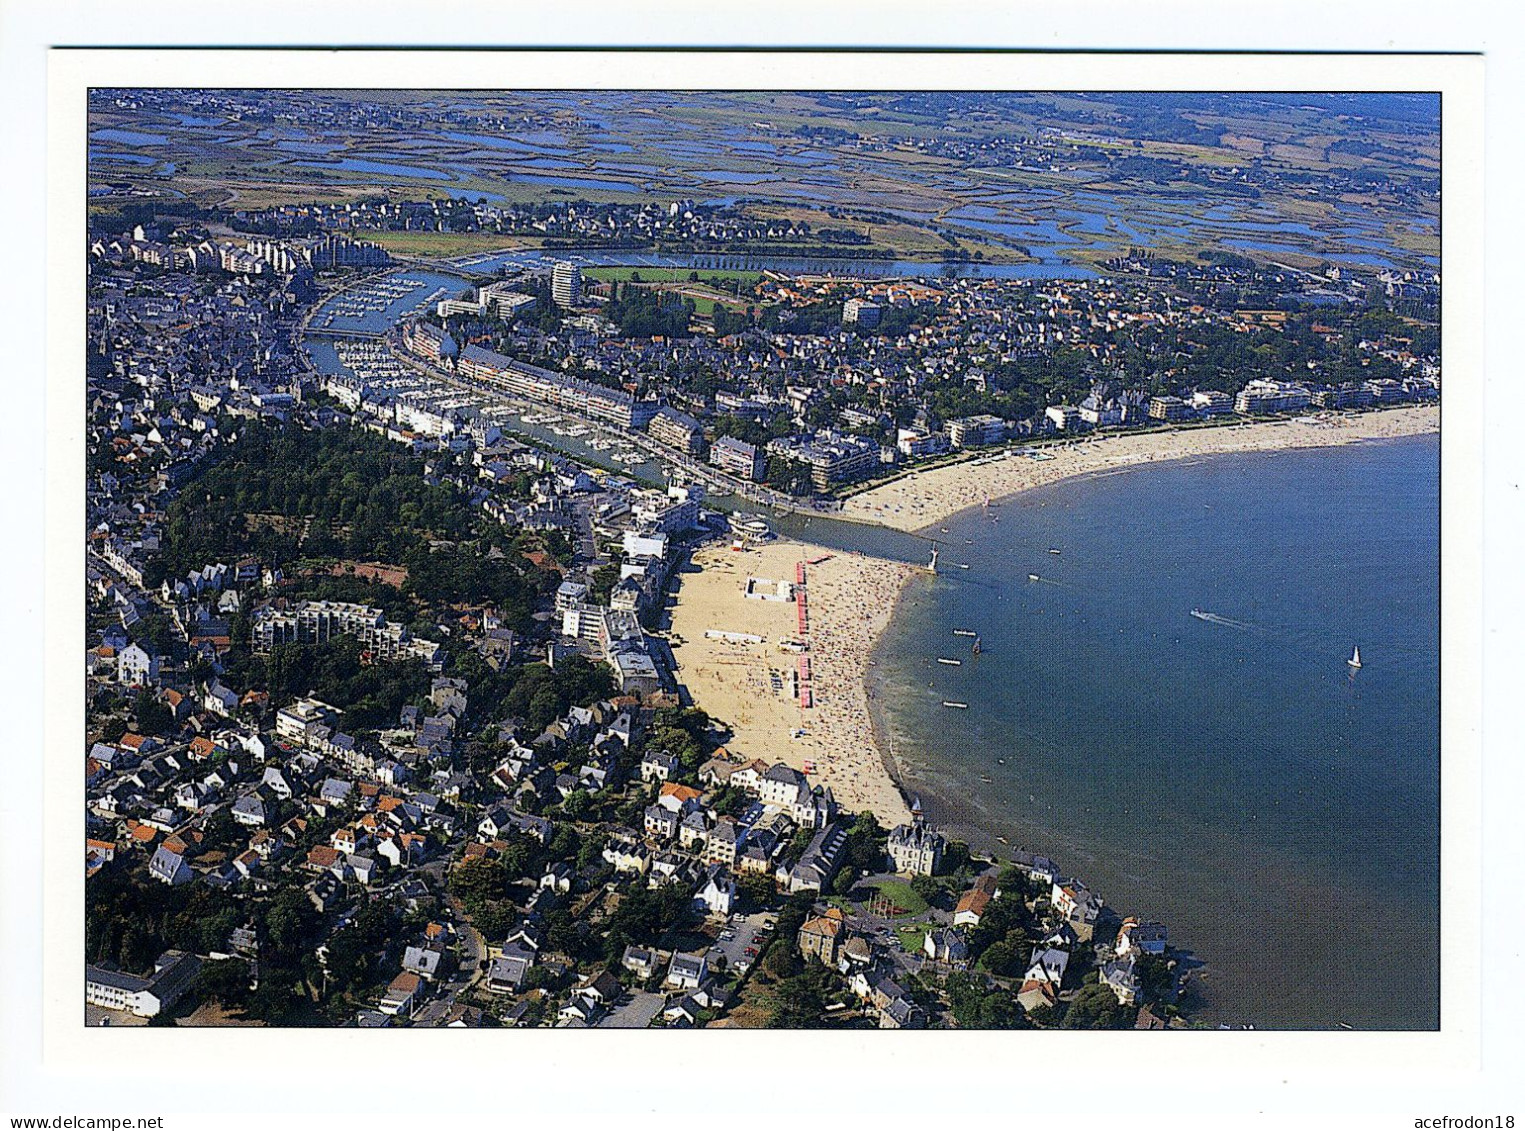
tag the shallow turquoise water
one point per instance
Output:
(1231, 777)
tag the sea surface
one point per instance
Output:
(1232, 777)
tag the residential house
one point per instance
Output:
(247, 863)
(694, 829)
(249, 811)
(677, 798)
(580, 1012)
(947, 945)
(819, 862)
(718, 771)
(819, 937)
(749, 777)
(902, 1013)
(687, 971)
(1047, 964)
(723, 843)
(718, 892)
(136, 667)
(1079, 905)
(179, 705)
(462, 1016)
(1121, 976)
(971, 906)
(169, 867)
(507, 972)
(661, 822)
(682, 1014)
(917, 848)
(361, 869)
(626, 853)
(496, 823)
(98, 853)
(402, 994)
(423, 961)
(324, 858)
(1136, 937)
(604, 988)
(641, 961)
(783, 786)
(814, 809)
(1035, 994)
(274, 779)
(558, 876)
(669, 867)
(658, 765)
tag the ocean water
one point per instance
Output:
(1232, 777)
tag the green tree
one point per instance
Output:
(976, 1005)
(478, 880)
(274, 1001)
(799, 1002)
(1002, 958)
(926, 887)
(225, 981)
(1096, 1007)
(866, 843)
(151, 716)
(757, 889)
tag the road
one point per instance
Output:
(473, 957)
(637, 1013)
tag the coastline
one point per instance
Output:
(923, 499)
(746, 684)
(946, 785)
(852, 597)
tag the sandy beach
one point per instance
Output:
(923, 499)
(748, 684)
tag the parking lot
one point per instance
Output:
(95, 1015)
(745, 933)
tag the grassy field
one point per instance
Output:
(901, 895)
(901, 237)
(704, 297)
(913, 936)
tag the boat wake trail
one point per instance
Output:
(1226, 622)
(1034, 579)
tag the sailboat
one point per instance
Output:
(1355, 658)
